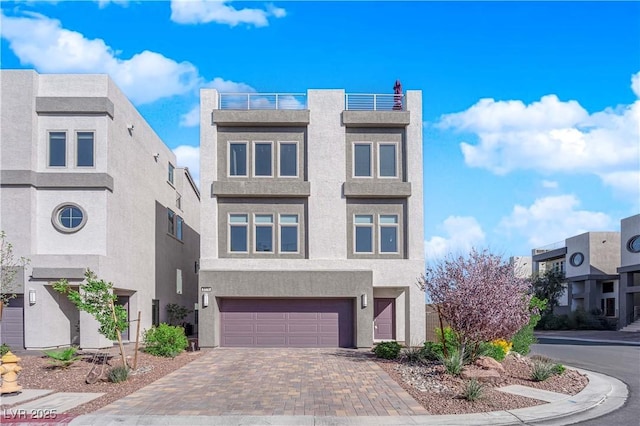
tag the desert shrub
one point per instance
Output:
(413, 354)
(435, 350)
(165, 340)
(558, 369)
(387, 350)
(496, 352)
(431, 351)
(454, 362)
(63, 358)
(472, 390)
(523, 339)
(118, 374)
(542, 370)
(4, 348)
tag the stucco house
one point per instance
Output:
(86, 183)
(312, 223)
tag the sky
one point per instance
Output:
(531, 110)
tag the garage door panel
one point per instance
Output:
(287, 322)
(12, 324)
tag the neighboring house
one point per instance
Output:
(629, 270)
(312, 227)
(86, 183)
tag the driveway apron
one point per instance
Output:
(239, 381)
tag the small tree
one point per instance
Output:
(9, 270)
(479, 296)
(96, 297)
(548, 286)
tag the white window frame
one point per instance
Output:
(230, 224)
(295, 225)
(246, 160)
(93, 149)
(66, 148)
(171, 173)
(255, 226)
(362, 225)
(353, 160)
(395, 160)
(388, 225)
(280, 143)
(171, 222)
(253, 162)
(179, 227)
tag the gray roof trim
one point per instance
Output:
(74, 105)
(55, 180)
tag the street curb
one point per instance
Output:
(602, 395)
(580, 339)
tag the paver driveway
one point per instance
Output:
(320, 382)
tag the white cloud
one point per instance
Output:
(549, 184)
(189, 156)
(192, 118)
(104, 3)
(635, 83)
(220, 11)
(552, 136)
(145, 77)
(462, 234)
(552, 219)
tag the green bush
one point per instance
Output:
(542, 370)
(473, 390)
(165, 340)
(558, 369)
(4, 348)
(453, 362)
(63, 358)
(118, 374)
(387, 350)
(435, 350)
(494, 351)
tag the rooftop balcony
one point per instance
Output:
(297, 101)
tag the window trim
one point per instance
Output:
(171, 222)
(264, 225)
(253, 161)
(179, 228)
(93, 149)
(288, 225)
(57, 224)
(246, 158)
(66, 162)
(631, 242)
(395, 159)
(280, 175)
(371, 225)
(230, 224)
(171, 173)
(353, 159)
(395, 225)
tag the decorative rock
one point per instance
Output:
(488, 363)
(485, 376)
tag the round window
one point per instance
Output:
(634, 244)
(576, 259)
(68, 217)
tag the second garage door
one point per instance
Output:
(286, 322)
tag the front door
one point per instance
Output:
(384, 327)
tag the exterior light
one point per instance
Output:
(363, 300)
(32, 297)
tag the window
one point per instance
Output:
(288, 159)
(238, 159)
(178, 281)
(68, 217)
(171, 219)
(388, 225)
(85, 149)
(607, 287)
(288, 233)
(178, 201)
(608, 306)
(262, 165)
(363, 233)
(57, 149)
(179, 223)
(362, 160)
(264, 233)
(170, 173)
(387, 160)
(238, 233)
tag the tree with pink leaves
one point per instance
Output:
(480, 297)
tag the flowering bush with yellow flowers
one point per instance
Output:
(503, 344)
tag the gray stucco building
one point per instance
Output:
(312, 219)
(86, 183)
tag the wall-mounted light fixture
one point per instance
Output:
(205, 300)
(32, 297)
(363, 300)
(156, 156)
(130, 128)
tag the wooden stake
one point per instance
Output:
(118, 335)
(135, 356)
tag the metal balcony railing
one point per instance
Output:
(374, 102)
(552, 246)
(261, 101)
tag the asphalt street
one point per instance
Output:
(614, 359)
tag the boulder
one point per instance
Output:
(483, 376)
(488, 363)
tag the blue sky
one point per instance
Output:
(531, 110)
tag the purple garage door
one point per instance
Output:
(286, 323)
(12, 324)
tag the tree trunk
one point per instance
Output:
(118, 335)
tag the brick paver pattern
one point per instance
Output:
(313, 382)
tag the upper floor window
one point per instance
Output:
(363, 233)
(178, 200)
(387, 160)
(170, 173)
(171, 216)
(179, 223)
(238, 233)
(289, 233)
(375, 233)
(388, 226)
(238, 159)
(385, 155)
(85, 149)
(68, 217)
(263, 224)
(288, 159)
(264, 237)
(262, 159)
(57, 149)
(362, 160)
